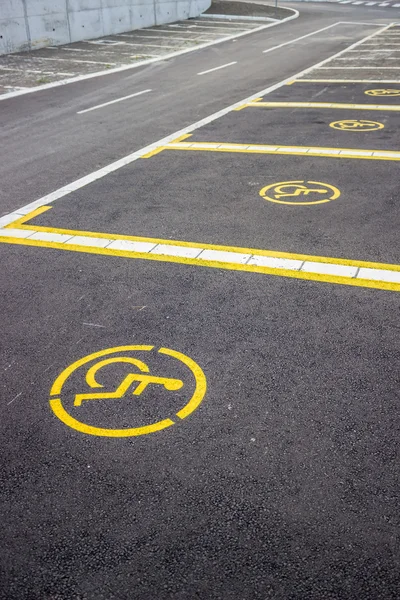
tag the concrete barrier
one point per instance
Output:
(30, 24)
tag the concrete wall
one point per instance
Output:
(29, 24)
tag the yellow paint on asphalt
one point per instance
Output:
(387, 93)
(346, 81)
(355, 153)
(331, 105)
(144, 380)
(323, 192)
(356, 125)
(255, 100)
(160, 148)
(227, 262)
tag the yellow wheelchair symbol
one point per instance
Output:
(314, 192)
(127, 382)
(388, 93)
(356, 125)
(63, 402)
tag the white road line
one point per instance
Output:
(64, 49)
(217, 22)
(150, 45)
(370, 4)
(130, 158)
(69, 60)
(198, 254)
(217, 68)
(112, 102)
(165, 37)
(32, 71)
(303, 37)
(242, 19)
(169, 31)
(207, 27)
(47, 86)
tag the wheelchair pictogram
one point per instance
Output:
(138, 379)
(357, 125)
(300, 192)
(388, 93)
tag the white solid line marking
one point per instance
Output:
(379, 275)
(224, 256)
(329, 269)
(182, 251)
(70, 60)
(95, 175)
(129, 246)
(216, 256)
(112, 102)
(303, 37)
(149, 45)
(30, 71)
(165, 37)
(44, 236)
(83, 240)
(217, 68)
(47, 86)
(275, 263)
(242, 19)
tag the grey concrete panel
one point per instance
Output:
(28, 24)
(13, 35)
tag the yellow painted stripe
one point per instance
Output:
(346, 81)
(161, 148)
(19, 223)
(366, 283)
(390, 107)
(282, 272)
(354, 153)
(245, 105)
(185, 244)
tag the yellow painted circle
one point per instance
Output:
(389, 93)
(356, 125)
(141, 375)
(283, 191)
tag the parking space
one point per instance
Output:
(229, 205)
(200, 362)
(314, 126)
(284, 185)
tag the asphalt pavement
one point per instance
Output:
(200, 342)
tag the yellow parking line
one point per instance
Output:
(300, 266)
(390, 107)
(288, 150)
(159, 149)
(345, 81)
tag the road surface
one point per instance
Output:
(200, 339)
